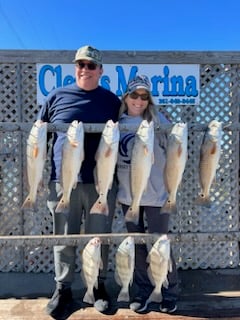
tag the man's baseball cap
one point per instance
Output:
(88, 53)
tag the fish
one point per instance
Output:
(125, 261)
(72, 157)
(176, 158)
(36, 156)
(210, 152)
(91, 265)
(106, 159)
(160, 264)
(141, 163)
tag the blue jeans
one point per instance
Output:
(157, 223)
(82, 199)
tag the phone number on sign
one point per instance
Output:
(176, 101)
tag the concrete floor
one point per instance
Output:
(204, 294)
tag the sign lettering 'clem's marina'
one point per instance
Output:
(171, 84)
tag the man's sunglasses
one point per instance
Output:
(89, 66)
(143, 96)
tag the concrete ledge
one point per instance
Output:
(204, 293)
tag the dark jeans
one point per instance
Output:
(157, 223)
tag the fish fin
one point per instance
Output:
(60, 192)
(132, 216)
(165, 179)
(203, 201)
(108, 152)
(95, 176)
(169, 207)
(148, 258)
(89, 297)
(100, 207)
(123, 295)
(62, 206)
(179, 150)
(165, 283)
(28, 203)
(97, 155)
(145, 150)
(75, 185)
(83, 277)
(153, 158)
(155, 297)
(131, 281)
(41, 184)
(214, 148)
(170, 268)
(96, 282)
(100, 266)
(117, 278)
(129, 262)
(35, 151)
(150, 276)
(74, 144)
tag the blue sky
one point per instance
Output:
(120, 25)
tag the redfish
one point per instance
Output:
(72, 157)
(141, 165)
(106, 159)
(209, 159)
(36, 156)
(175, 163)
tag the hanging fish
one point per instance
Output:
(125, 261)
(91, 264)
(209, 159)
(106, 159)
(72, 157)
(141, 165)
(36, 157)
(175, 163)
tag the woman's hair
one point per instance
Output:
(149, 114)
(140, 82)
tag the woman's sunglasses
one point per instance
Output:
(90, 66)
(143, 96)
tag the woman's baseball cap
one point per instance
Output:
(139, 82)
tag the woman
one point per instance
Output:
(137, 104)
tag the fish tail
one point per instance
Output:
(123, 295)
(132, 215)
(154, 297)
(62, 206)
(100, 207)
(169, 207)
(203, 200)
(89, 297)
(28, 203)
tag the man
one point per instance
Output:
(88, 102)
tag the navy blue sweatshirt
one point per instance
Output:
(69, 103)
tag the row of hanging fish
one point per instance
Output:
(158, 259)
(159, 262)
(72, 158)
(177, 155)
(176, 158)
(141, 163)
